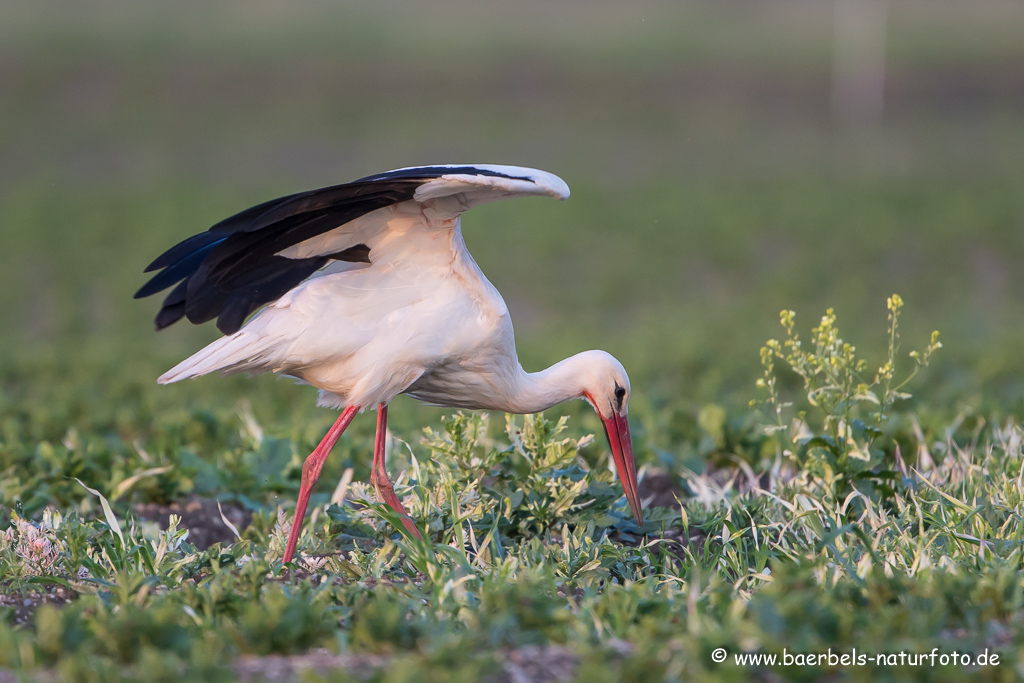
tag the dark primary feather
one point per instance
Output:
(233, 268)
(178, 269)
(429, 172)
(182, 249)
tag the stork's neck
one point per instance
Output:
(538, 391)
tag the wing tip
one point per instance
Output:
(505, 181)
(552, 185)
(556, 187)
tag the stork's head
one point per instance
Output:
(606, 387)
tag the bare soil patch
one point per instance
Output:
(24, 604)
(201, 517)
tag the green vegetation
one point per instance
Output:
(711, 188)
(826, 540)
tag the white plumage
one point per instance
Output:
(418, 318)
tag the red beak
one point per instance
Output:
(616, 428)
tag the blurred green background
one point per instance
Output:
(727, 160)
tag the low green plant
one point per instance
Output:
(530, 552)
(835, 433)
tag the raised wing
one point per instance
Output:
(258, 255)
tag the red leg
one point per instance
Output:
(379, 475)
(311, 472)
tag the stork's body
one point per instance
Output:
(392, 303)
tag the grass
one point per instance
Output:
(825, 538)
(711, 189)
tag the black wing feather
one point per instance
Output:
(183, 249)
(173, 307)
(272, 280)
(233, 268)
(429, 172)
(176, 271)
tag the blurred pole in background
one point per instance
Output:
(858, 62)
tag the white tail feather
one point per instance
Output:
(239, 351)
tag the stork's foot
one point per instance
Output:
(386, 494)
(379, 475)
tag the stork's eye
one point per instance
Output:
(620, 393)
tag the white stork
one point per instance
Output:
(367, 292)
